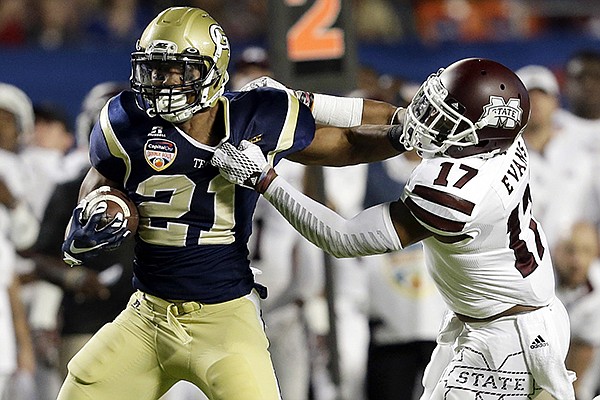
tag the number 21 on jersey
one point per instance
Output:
(182, 189)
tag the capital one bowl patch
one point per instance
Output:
(160, 153)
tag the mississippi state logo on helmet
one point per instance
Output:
(473, 107)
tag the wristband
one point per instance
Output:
(265, 179)
(394, 135)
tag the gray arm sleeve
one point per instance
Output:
(369, 232)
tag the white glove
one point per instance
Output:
(245, 166)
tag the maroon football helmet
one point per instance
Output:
(474, 106)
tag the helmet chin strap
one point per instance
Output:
(485, 121)
(209, 102)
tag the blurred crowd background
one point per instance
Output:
(60, 60)
(52, 24)
(58, 49)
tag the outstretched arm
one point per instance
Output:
(349, 130)
(345, 112)
(379, 229)
(355, 131)
(338, 111)
(371, 231)
(336, 147)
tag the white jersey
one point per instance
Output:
(345, 190)
(46, 168)
(583, 303)
(404, 297)
(562, 182)
(488, 253)
(584, 134)
(8, 349)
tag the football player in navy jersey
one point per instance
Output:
(196, 314)
(469, 202)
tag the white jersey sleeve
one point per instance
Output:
(488, 253)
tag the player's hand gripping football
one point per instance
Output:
(245, 166)
(85, 239)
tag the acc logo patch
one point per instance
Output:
(160, 153)
(502, 115)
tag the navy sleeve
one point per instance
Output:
(272, 119)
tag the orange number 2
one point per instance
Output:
(312, 37)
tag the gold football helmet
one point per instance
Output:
(189, 44)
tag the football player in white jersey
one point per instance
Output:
(469, 202)
(577, 267)
(562, 172)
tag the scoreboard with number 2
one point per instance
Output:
(312, 44)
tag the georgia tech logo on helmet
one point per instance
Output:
(500, 114)
(160, 153)
(218, 36)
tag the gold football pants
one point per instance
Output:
(153, 343)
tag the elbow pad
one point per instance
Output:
(369, 232)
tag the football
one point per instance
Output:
(117, 202)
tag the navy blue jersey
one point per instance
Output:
(194, 225)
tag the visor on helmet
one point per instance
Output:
(153, 72)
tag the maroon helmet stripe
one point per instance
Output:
(444, 199)
(435, 221)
